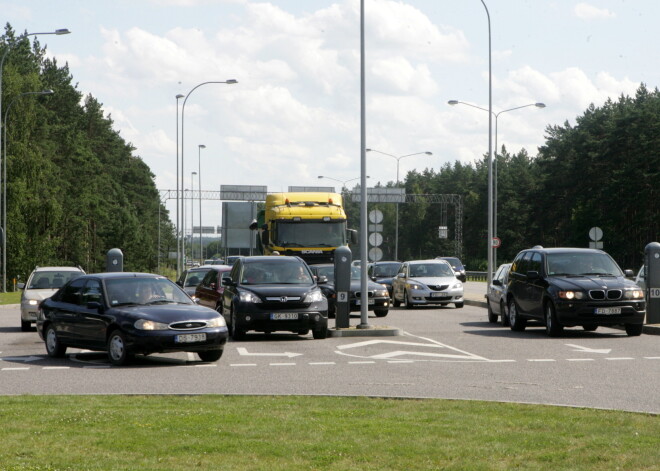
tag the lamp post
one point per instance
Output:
(343, 182)
(398, 159)
(192, 214)
(178, 219)
(183, 109)
(496, 115)
(199, 185)
(4, 187)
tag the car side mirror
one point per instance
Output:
(20, 285)
(533, 275)
(228, 282)
(497, 282)
(629, 273)
(400, 275)
(322, 280)
(212, 286)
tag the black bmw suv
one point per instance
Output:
(568, 287)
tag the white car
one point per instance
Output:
(41, 284)
(422, 282)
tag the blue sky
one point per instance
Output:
(295, 112)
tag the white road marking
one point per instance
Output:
(314, 363)
(580, 359)
(242, 364)
(282, 364)
(579, 348)
(243, 351)
(540, 359)
(619, 358)
(56, 368)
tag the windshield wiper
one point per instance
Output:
(291, 244)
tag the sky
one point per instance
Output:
(295, 112)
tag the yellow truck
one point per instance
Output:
(309, 225)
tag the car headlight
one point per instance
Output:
(458, 285)
(145, 324)
(414, 286)
(633, 294)
(382, 293)
(217, 322)
(33, 302)
(314, 297)
(570, 295)
(248, 297)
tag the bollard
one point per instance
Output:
(343, 259)
(652, 275)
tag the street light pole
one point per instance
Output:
(192, 214)
(178, 199)
(496, 115)
(183, 109)
(4, 188)
(199, 176)
(398, 159)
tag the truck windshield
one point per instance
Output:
(310, 234)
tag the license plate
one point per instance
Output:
(283, 316)
(607, 310)
(190, 338)
(439, 294)
(358, 302)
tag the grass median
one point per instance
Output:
(316, 433)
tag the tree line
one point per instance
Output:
(76, 188)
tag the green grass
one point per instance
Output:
(10, 298)
(316, 433)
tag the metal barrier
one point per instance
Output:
(476, 275)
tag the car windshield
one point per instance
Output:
(386, 269)
(581, 264)
(194, 278)
(144, 291)
(52, 279)
(328, 272)
(454, 262)
(276, 271)
(431, 269)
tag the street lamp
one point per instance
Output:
(199, 176)
(343, 182)
(4, 188)
(496, 115)
(183, 109)
(179, 235)
(398, 159)
(192, 213)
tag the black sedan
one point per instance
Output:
(378, 296)
(384, 273)
(127, 314)
(273, 293)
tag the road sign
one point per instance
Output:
(496, 242)
(375, 239)
(375, 254)
(376, 216)
(595, 233)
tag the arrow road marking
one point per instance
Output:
(579, 348)
(244, 352)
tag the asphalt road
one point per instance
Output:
(445, 353)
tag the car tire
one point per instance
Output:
(118, 352)
(26, 326)
(516, 323)
(210, 355)
(320, 334)
(492, 317)
(235, 332)
(552, 325)
(406, 299)
(634, 330)
(503, 315)
(458, 305)
(53, 346)
(380, 312)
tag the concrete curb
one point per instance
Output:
(372, 331)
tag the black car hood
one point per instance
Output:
(587, 283)
(384, 279)
(166, 313)
(279, 290)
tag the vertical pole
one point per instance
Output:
(364, 322)
(490, 154)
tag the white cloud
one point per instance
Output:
(586, 11)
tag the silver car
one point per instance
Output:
(42, 283)
(423, 282)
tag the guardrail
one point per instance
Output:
(477, 275)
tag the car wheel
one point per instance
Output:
(53, 346)
(552, 325)
(210, 355)
(380, 312)
(492, 317)
(406, 298)
(26, 326)
(458, 305)
(515, 321)
(504, 315)
(634, 330)
(236, 333)
(118, 353)
(320, 333)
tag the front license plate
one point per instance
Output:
(439, 294)
(607, 310)
(358, 302)
(190, 338)
(284, 316)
